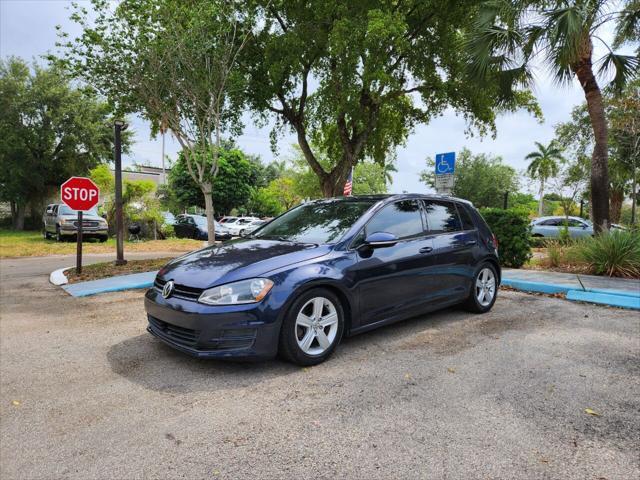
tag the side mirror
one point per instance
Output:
(380, 240)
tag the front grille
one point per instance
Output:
(88, 223)
(179, 291)
(181, 335)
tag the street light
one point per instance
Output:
(119, 127)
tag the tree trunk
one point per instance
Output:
(634, 195)
(207, 190)
(541, 202)
(18, 219)
(617, 197)
(600, 157)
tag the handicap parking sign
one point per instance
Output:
(445, 163)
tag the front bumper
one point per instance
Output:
(86, 231)
(239, 331)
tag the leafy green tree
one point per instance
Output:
(352, 79)
(175, 63)
(544, 163)
(480, 178)
(232, 185)
(510, 35)
(51, 131)
(264, 202)
(623, 114)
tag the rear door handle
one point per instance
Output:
(426, 249)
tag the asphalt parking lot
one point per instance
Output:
(85, 392)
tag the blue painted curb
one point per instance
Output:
(623, 301)
(539, 287)
(111, 284)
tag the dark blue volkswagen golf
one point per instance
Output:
(323, 270)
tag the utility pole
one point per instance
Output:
(119, 127)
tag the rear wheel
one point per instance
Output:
(484, 289)
(312, 327)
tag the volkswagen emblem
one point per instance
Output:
(167, 290)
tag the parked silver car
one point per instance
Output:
(550, 227)
(61, 222)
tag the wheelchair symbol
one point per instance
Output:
(443, 166)
(445, 163)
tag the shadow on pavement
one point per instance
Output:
(148, 362)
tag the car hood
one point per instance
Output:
(237, 260)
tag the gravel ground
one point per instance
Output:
(86, 393)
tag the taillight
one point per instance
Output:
(495, 240)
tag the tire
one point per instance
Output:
(485, 274)
(302, 344)
(59, 237)
(103, 239)
(45, 234)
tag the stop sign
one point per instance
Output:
(79, 193)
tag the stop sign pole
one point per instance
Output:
(119, 127)
(79, 193)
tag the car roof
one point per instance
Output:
(556, 217)
(391, 197)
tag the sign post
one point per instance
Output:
(80, 194)
(445, 170)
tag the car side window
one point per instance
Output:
(575, 223)
(551, 223)
(465, 217)
(403, 219)
(442, 217)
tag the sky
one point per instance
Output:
(27, 30)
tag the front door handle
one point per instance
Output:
(426, 249)
(470, 242)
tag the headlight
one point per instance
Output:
(245, 291)
(103, 223)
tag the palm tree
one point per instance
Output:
(511, 34)
(544, 164)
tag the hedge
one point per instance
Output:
(511, 228)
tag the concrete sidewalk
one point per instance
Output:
(572, 281)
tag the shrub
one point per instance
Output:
(511, 228)
(554, 254)
(616, 254)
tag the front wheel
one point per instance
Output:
(59, 237)
(484, 289)
(312, 327)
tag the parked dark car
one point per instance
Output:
(195, 226)
(323, 270)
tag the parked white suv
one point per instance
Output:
(61, 222)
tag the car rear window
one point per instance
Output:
(442, 217)
(465, 217)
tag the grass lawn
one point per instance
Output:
(32, 244)
(108, 269)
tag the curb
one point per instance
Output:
(57, 277)
(111, 284)
(613, 298)
(622, 301)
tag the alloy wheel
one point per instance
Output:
(316, 326)
(485, 287)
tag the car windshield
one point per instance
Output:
(64, 210)
(317, 222)
(230, 220)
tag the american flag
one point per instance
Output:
(348, 186)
